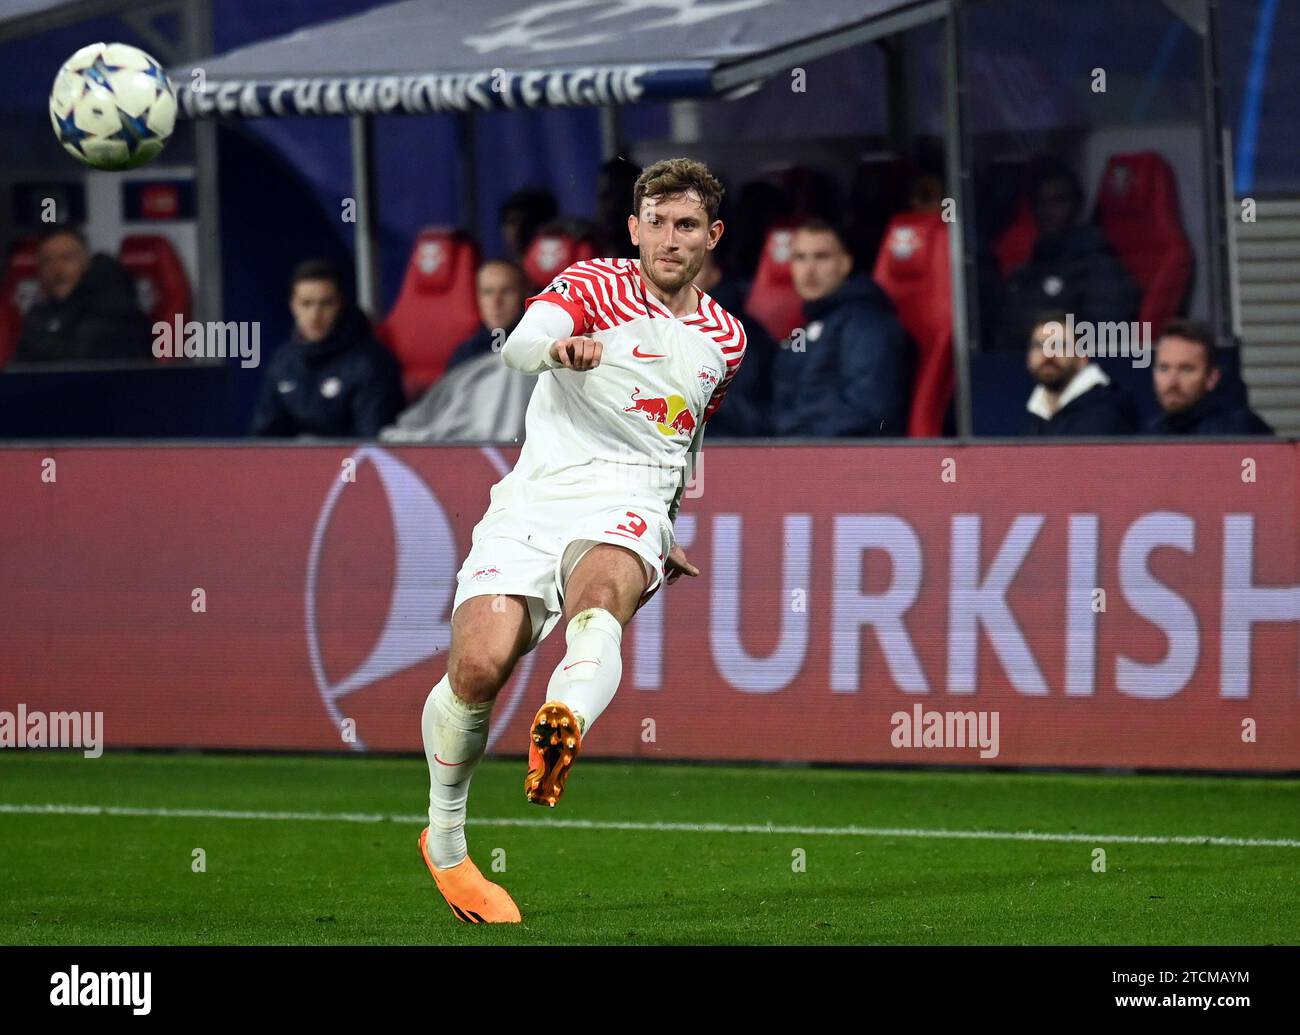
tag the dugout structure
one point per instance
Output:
(466, 57)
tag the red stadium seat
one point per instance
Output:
(11, 326)
(913, 268)
(772, 300)
(1016, 243)
(1137, 208)
(162, 287)
(551, 252)
(435, 310)
(18, 290)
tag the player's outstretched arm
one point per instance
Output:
(528, 349)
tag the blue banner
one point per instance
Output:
(425, 94)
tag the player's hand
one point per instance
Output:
(677, 565)
(580, 353)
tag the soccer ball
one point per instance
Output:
(112, 106)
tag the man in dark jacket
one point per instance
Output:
(1195, 398)
(1072, 267)
(331, 379)
(1074, 396)
(88, 310)
(846, 371)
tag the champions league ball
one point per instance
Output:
(112, 106)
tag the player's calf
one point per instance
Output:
(486, 641)
(581, 687)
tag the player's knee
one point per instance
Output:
(599, 596)
(477, 677)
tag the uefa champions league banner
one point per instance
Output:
(1115, 605)
(593, 86)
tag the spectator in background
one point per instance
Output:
(1074, 396)
(88, 310)
(614, 187)
(499, 288)
(925, 193)
(1194, 395)
(521, 215)
(479, 398)
(331, 379)
(749, 398)
(846, 371)
(1072, 267)
(482, 400)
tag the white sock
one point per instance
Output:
(588, 676)
(455, 734)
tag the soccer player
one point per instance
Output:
(632, 359)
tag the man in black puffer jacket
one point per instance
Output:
(88, 310)
(847, 370)
(331, 379)
(1195, 397)
(1072, 268)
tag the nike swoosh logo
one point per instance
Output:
(441, 762)
(585, 661)
(636, 351)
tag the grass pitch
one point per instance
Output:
(311, 850)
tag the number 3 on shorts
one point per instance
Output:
(635, 527)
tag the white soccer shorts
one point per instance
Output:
(529, 547)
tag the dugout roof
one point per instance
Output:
(24, 17)
(464, 55)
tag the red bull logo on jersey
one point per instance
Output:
(487, 574)
(669, 414)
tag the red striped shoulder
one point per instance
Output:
(602, 302)
(610, 286)
(607, 273)
(720, 325)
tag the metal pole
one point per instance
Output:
(965, 312)
(1216, 265)
(207, 192)
(611, 131)
(362, 139)
(894, 50)
(467, 161)
(684, 118)
(1230, 205)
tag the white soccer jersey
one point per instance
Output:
(660, 378)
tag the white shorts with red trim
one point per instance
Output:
(529, 547)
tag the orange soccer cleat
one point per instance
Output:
(555, 741)
(472, 897)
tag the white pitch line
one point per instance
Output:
(682, 828)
